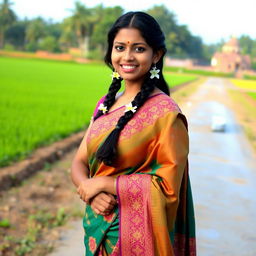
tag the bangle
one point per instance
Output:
(115, 184)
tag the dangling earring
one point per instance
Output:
(154, 72)
(115, 75)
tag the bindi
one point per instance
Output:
(128, 42)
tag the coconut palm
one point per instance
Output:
(7, 18)
(82, 22)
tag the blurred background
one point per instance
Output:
(51, 76)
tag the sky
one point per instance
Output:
(212, 20)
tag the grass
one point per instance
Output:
(252, 94)
(197, 72)
(177, 79)
(249, 77)
(244, 84)
(245, 111)
(43, 101)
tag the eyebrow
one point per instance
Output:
(122, 43)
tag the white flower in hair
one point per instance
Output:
(154, 73)
(129, 107)
(115, 75)
(102, 108)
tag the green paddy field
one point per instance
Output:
(43, 101)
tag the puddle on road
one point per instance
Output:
(208, 233)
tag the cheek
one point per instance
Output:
(114, 59)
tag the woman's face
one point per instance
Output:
(131, 56)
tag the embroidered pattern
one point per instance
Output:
(92, 244)
(156, 107)
(135, 228)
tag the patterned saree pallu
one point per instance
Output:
(155, 214)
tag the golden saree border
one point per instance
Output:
(135, 228)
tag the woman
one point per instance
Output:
(131, 168)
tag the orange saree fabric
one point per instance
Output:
(155, 213)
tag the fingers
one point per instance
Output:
(108, 198)
(103, 203)
(82, 195)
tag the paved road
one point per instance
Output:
(223, 176)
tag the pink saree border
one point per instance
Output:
(135, 227)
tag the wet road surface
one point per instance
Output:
(223, 177)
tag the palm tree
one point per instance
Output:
(82, 22)
(35, 30)
(7, 18)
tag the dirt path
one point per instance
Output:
(38, 210)
(223, 176)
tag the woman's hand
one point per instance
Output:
(89, 188)
(103, 203)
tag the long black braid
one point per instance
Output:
(111, 96)
(108, 150)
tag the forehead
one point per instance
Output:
(131, 35)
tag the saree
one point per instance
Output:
(154, 215)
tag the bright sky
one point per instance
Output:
(212, 20)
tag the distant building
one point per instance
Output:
(230, 59)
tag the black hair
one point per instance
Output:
(153, 35)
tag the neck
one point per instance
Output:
(131, 89)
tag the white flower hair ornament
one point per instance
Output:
(115, 75)
(129, 107)
(154, 73)
(103, 108)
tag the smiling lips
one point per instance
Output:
(128, 68)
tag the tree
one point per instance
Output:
(16, 34)
(82, 22)
(179, 40)
(101, 28)
(49, 43)
(7, 18)
(36, 30)
(68, 36)
(246, 44)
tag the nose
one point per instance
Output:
(128, 54)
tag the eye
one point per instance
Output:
(140, 49)
(119, 48)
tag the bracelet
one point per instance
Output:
(115, 180)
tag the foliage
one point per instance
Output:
(5, 223)
(249, 77)
(43, 101)
(179, 41)
(252, 94)
(107, 18)
(7, 18)
(86, 28)
(36, 30)
(41, 220)
(49, 44)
